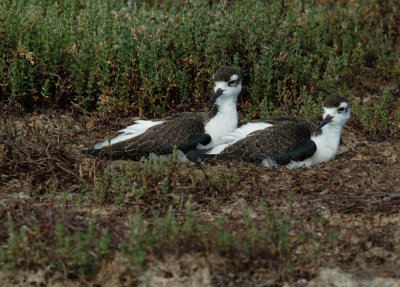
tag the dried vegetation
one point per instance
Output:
(69, 218)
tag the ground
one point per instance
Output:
(343, 217)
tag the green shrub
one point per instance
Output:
(138, 59)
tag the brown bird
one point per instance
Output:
(289, 141)
(184, 130)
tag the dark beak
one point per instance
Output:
(216, 96)
(325, 121)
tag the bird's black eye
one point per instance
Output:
(231, 83)
(341, 109)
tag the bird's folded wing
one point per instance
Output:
(279, 141)
(159, 139)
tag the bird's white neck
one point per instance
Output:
(327, 143)
(327, 146)
(225, 120)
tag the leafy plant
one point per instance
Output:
(140, 59)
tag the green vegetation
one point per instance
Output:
(156, 224)
(138, 59)
(65, 245)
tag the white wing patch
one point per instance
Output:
(244, 131)
(138, 128)
(236, 135)
(218, 149)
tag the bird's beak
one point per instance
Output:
(216, 96)
(325, 121)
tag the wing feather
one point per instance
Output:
(269, 142)
(160, 138)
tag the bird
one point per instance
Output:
(286, 141)
(186, 130)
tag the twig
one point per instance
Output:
(80, 108)
(46, 73)
(70, 172)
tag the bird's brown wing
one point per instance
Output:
(159, 139)
(284, 119)
(271, 142)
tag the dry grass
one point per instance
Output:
(231, 223)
